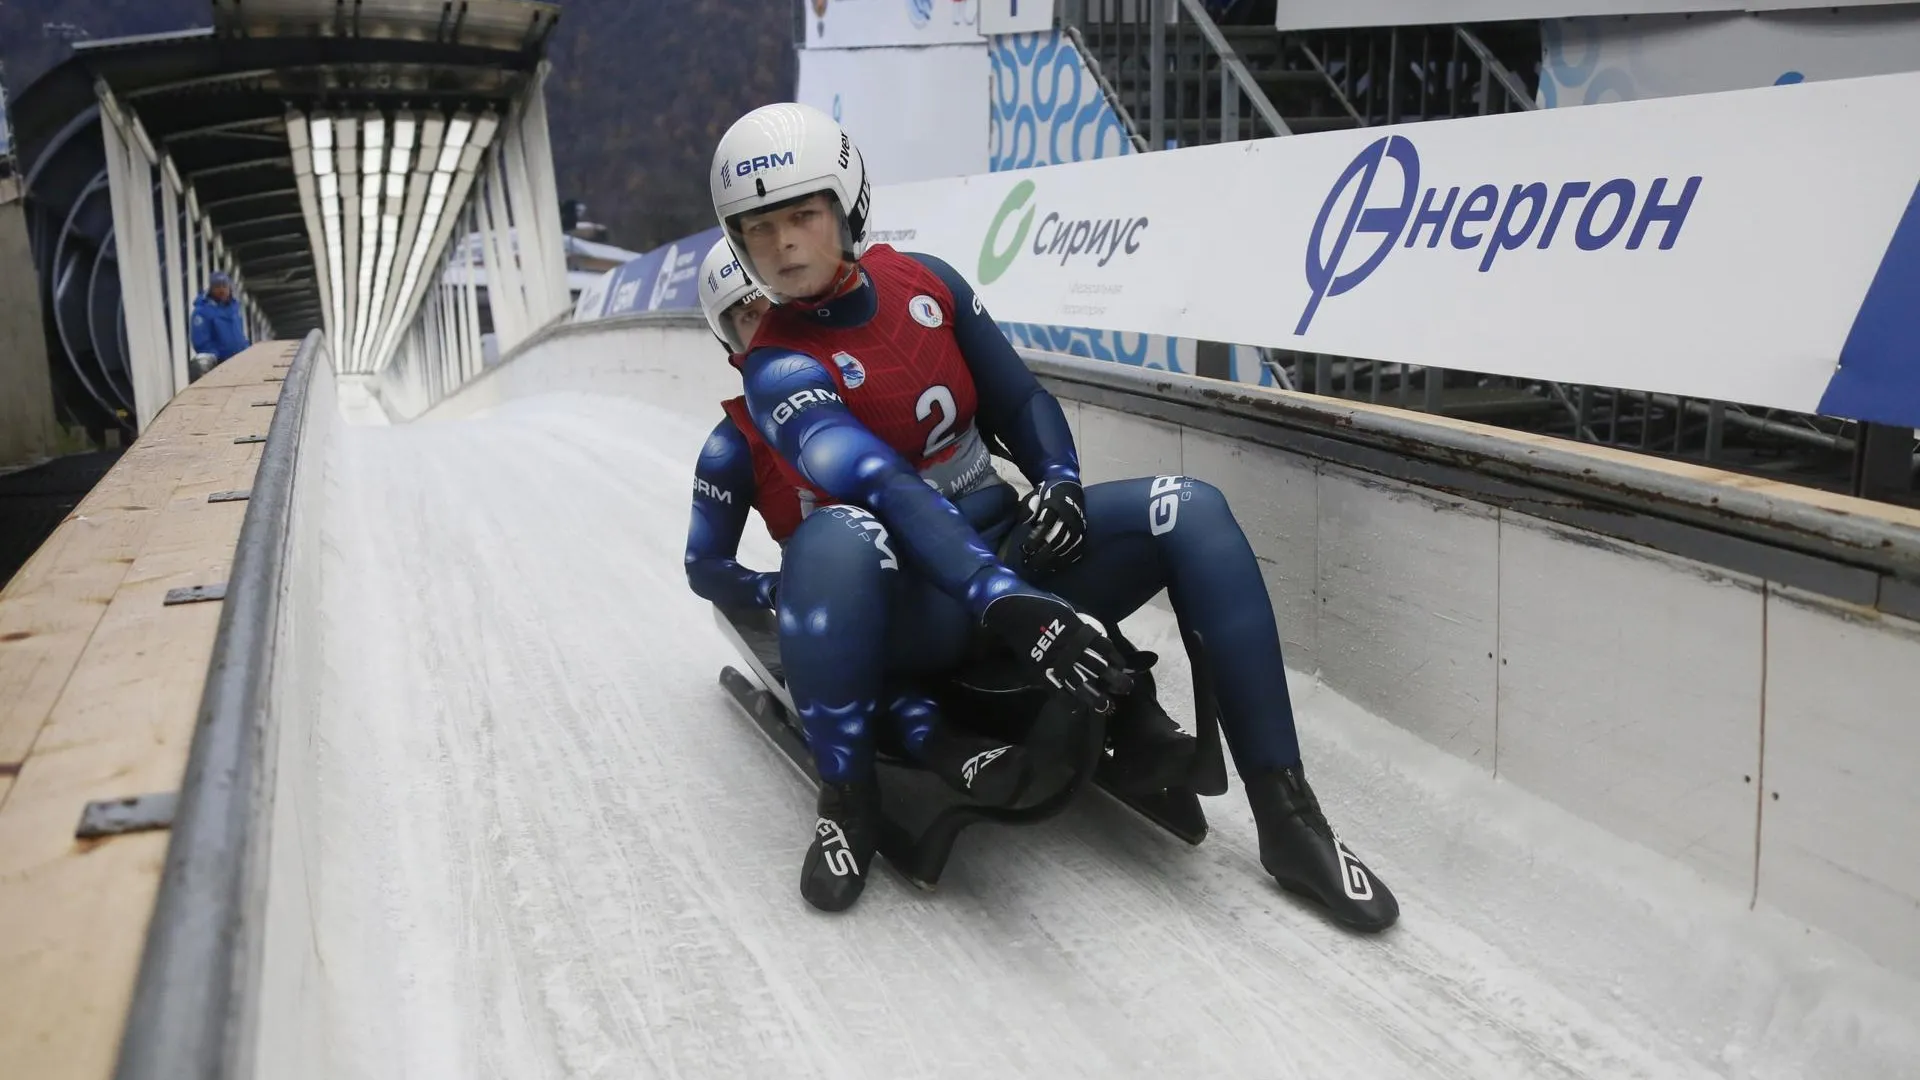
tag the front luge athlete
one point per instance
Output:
(736, 472)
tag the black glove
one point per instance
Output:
(1061, 645)
(1057, 532)
(766, 591)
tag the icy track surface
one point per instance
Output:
(553, 849)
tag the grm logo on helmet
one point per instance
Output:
(763, 161)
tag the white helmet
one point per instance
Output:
(722, 285)
(781, 153)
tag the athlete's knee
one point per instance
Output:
(841, 539)
(1205, 496)
(835, 574)
(1174, 500)
(914, 715)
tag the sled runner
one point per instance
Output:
(922, 816)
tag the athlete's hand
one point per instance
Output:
(1057, 519)
(766, 591)
(1061, 645)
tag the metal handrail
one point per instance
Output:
(1333, 84)
(1235, 78)
(1230, 60)
(1516, 90)
(1092, 64)
(194, 1004)
(1276, 368)
(1804, 434)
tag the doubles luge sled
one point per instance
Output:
(921, 817)
(1177, 809)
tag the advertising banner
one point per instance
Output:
(593, 298)
(865, 24)
(1047, 106)
(661, 280)
(1047, 110)
(1336, 14)
(1156, 351)
(917, 114)
(1591, 61)
(631, 284)
(1761, 246)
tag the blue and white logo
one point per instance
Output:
(836, 108)
(925, 311)
(1386, 222)
(920, 11)
(623, 296)
(761, 161)
(664, 279)
(1367, 223)
(852, 371)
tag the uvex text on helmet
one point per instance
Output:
(724, 283)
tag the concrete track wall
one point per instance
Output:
(292, 1040)
(1761, 735)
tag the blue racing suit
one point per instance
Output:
(846, 620)
(725, 490)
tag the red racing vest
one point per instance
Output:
(781, 497)
(902, 375)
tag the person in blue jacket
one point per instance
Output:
(219, 326)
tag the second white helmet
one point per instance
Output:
(723, 283)
(781, 153)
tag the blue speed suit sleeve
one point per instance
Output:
(723, 489)
(798, 408)
(1013, 405)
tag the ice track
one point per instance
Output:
(551, 849)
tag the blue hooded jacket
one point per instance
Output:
(219, 328)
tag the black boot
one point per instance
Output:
(844, 838)
(1300, 850)
(1150, 752)
(990, 771)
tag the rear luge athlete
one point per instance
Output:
(878, 379)
(737, 472)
